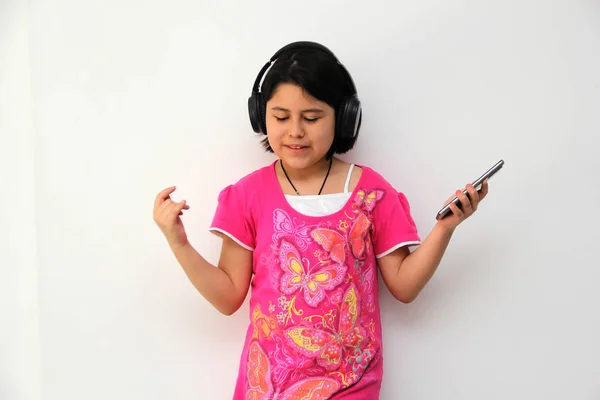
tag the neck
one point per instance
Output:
(319, 169)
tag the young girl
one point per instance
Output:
(309, 233)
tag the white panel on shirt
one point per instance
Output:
(321, 205)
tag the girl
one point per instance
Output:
(309, 233)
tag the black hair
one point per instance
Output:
(321, 76)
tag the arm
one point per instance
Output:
(406, 274)
(224, 286)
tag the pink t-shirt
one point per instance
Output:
(315, 329)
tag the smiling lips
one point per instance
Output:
(296, 149)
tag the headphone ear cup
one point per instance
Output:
(253, 113)
(262, 113)
(349, 117)
(257, 113)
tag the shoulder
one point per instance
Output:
(373, 188)
(249, 184)
(255, 177)
(371, 179)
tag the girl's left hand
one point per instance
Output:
(468, 206)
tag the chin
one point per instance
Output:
(300, 159)
(298, 162)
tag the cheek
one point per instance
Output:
(274, 136)
(326, 133)
(274, 131)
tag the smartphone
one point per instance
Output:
(445, 211)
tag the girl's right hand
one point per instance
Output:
(166, 215)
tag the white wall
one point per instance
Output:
(19, 335)
(130, 97)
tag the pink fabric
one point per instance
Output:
(315, 329)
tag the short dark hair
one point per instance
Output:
(321, 76)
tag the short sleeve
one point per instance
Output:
(233, 217)
(394, 226)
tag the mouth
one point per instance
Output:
(295, 147)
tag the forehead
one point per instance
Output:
(289, 95)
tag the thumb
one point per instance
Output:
(177, 207)
(449, 200)
(182, 205)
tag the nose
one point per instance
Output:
(297, 128)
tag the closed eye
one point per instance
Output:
(281, 119)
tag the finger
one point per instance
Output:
(457, 211)
(168, 207)
(163, 195)
(167, 203)
(449, 200)
(185, 207)
(466, 203)
(474, 196)
(484, 190)
(178, 207)
(161, 212)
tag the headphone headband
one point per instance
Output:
(302, 45)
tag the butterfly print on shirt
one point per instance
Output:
(298, 275)
(368, 199)
(329, 346)
(261, 387)
(286, 227)
(337, 243)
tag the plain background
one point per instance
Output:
(105, 103)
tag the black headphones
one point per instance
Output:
(348, 116)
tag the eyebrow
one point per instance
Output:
(315, 110)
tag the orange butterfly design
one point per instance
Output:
(327, 346)
(261, 388)
(336, 243)
(368, 199)
(263, 326)
(297, 277)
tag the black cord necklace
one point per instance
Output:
(296, 190)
